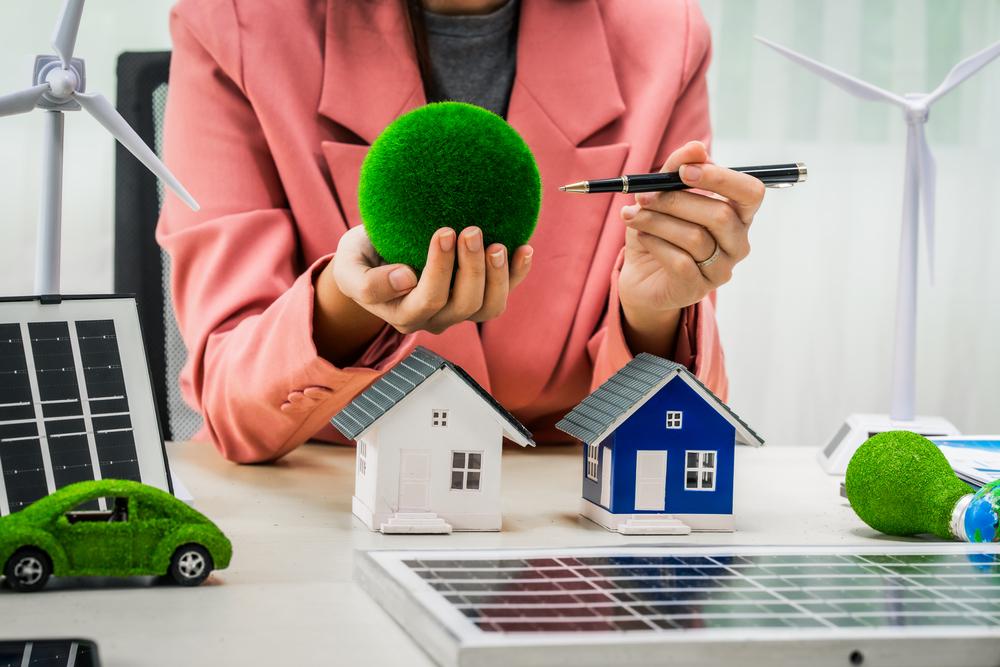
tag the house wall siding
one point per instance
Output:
(702, 429)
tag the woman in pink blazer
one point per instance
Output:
(272, 107)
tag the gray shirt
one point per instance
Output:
(473, 57)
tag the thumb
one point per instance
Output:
(380, 284)
(693, 152)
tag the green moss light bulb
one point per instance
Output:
(900, 483)
(447, 164)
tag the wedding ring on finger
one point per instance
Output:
(711, 260)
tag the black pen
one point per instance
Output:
(772, 175)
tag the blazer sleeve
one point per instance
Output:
(689, 121)
(243, 299)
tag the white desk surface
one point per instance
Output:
(288, 597)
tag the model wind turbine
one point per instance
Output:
(60, 85)
(918, 202)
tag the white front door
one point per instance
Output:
(650, 480)
(414, 480)
(606, 478)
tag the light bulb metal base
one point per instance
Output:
(975, 517)
(957, 525)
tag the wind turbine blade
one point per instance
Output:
(927, 174)
(67, 27)
(100, 108)
(853, 85)
(22, 101)
(964, 70)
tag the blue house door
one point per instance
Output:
(650, 479)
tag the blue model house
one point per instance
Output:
(659, 450)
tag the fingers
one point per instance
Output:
(694, 239)
(306, 399)
(502, 276)
(318, 393)
(678, 263)
(432, 290)
(745, 193)
(497, 284)
(715, 216)
(380, 285)
(520, 265)
(470, 282)
(693, 152)
(483, 278)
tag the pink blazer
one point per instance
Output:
(272, 107)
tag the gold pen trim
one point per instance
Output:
(582, 186)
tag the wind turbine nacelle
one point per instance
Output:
(45, 66)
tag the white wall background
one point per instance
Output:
(807, 322)
(109, 27)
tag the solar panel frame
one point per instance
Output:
(85, 364)
(777, 586)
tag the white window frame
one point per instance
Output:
(465, 469)
(439, 418)
(362, 457)
(593, 457)
(701, 468)
(675, 419)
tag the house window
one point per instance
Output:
(362, 457)
(674, 419)
(699, 471)
(439, 417)
(466, 468)
(592, 452)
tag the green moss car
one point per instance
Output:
(109, 528)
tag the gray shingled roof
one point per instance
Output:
(591, 420)
(397, 384)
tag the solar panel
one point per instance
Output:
(75, 398)
(895, 604)
(48, 653)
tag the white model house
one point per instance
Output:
(429, 441)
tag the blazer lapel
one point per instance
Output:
(370, 78)
(370, 70)
(563, 63)
(564, 93)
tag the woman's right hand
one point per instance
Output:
(392, 292)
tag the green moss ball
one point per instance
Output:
(900, 483)
(447, 164)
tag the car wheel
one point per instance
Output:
(28, 569)
(191, 565)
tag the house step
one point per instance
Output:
(415, 522)
(654, 525)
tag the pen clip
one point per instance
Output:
(778, 185)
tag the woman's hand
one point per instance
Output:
(671, 240)
(393, 294)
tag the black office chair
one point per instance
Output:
(141, 267)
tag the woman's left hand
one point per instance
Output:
(679, 246)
